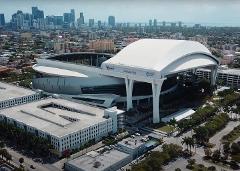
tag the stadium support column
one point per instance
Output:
(213, 75)
(129, 90)
(156, 90)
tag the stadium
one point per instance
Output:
(143, 70)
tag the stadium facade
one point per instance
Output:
(143, 69)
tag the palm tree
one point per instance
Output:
(191, 143)
(173, 122)
(185, 141)
(8, 157)
(4, 153)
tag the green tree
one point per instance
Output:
(216, 155)
(8, 157)
(235, 148)
(201, 134)
(173, 122)
(2, 144)
(191, 161)
(21, 160)
(191, 143)
(208, 152)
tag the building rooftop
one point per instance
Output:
(133, 142)
(179, 115)
(97, 161)
(57, 117)
(9, 91)
(232, 71)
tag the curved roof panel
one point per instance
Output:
(162, 55)
(57, 71)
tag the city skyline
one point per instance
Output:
(211, 13)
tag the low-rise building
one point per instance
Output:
(134, 145)
(101, 160)
(226, 77)
(11, 95)
(66, 124)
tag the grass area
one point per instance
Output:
(167, 128)
(198, 167)
(233, 135)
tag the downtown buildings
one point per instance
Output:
(37, 20)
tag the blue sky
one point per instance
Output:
(209, 12)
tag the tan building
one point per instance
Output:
(61, 47)
(102, 45)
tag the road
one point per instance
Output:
(217, 137)
(28, 162)
(199, 152)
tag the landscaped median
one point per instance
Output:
(230, 147)
(155, 160)
(215, 124)
(233, 135)
(200, 116)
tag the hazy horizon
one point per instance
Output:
(215, 12)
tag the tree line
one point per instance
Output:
(157, 159)
(200, 116)
(203, 133)
(25, 140)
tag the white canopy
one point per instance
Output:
(162, 56)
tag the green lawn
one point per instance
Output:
(166, 128)
(197, 168)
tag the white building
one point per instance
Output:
(101, 160)
(135, 146)
(11, 95)
(66, 124)
(226, 77)
(154, 62)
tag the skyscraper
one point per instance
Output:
(2, 20)
(150, 23)
(72, 15)
(17, 20)
(164, 23)
(155, 22)
(36, 13)
(173, 24)
(81, 19)
(67, 17)
(58, 20)
(99, 23)
(111, 21)
(179, 24)
(91, 22)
